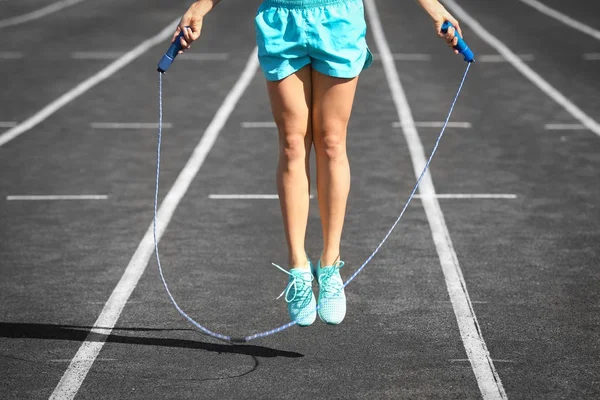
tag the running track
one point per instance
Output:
(512, 207)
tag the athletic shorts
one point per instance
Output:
(327, 34)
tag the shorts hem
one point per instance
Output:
(284, 71)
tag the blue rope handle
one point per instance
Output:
(281, 328)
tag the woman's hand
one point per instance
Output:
(439, 14)
(191, 23)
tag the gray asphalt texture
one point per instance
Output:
(530, 264)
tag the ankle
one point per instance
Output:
(328, 260)
(299, 261)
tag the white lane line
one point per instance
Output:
(112, 55)
(470, 330)
(69, 360)
(565, 19)
(246, 196)
(591, 56)
(419, 124)
(42, 12)
(561, 127)
(480, 196)
(453, 360)
(498, 58)
(97, 55)
(523, 68)
(11, 55)
(406, 57)
(266, 124)
(129, 125)
(436, 124)
(205, 56)
(82, 362)
(58, 197)
(7, 124)
(89, 83)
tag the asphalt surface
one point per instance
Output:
(530, 263)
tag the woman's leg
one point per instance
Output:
(332, 101)
(291, 107)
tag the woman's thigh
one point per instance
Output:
(332, 100)
(291, 103)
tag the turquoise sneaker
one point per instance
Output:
(299, 295)
(332, 299)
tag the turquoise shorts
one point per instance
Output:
(327, 34)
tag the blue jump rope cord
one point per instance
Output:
(292, 323)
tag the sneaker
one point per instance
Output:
(299, 296)
(332, 299)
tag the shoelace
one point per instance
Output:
(331, 287)
(301, 286)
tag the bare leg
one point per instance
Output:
(331, 108)
(291, 104)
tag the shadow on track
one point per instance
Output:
(82, 333)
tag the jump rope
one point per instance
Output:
(163, 65)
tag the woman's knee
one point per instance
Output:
(293, 144)
(332, 142)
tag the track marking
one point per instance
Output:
(37, 14)
(7, 124)
(112, 55)
(406, 57)
(422, 124)
(58, 197)
(97, 55)
(453, 360)
(205, 56)
(129, 125)
(69, 360)
(471, 196)
(591, 56)
(523, 68)
(560, 127)
(266, 124)
(246, 196)
(82, 362)
(11, 55)
(565, 19)
(436, 124)
(498, 58)
(89, 83)
(470, 331)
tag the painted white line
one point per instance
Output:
(466, 360)
(11, 55)
(82, 362)
(42, 12)
(89, 83)
(205, 56)
(266, 124)
(498, 58)
(470, 330)
(7, 124)
(472, 301)
(471, 196)
(97, 55)
(69, 360)
(567, 127)
(591, 56)
(436, 124)
(246, 196)
(129, 125)
(112, 55)
(406, 57)
(565, 19)
(58, 197)
(523, 68)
